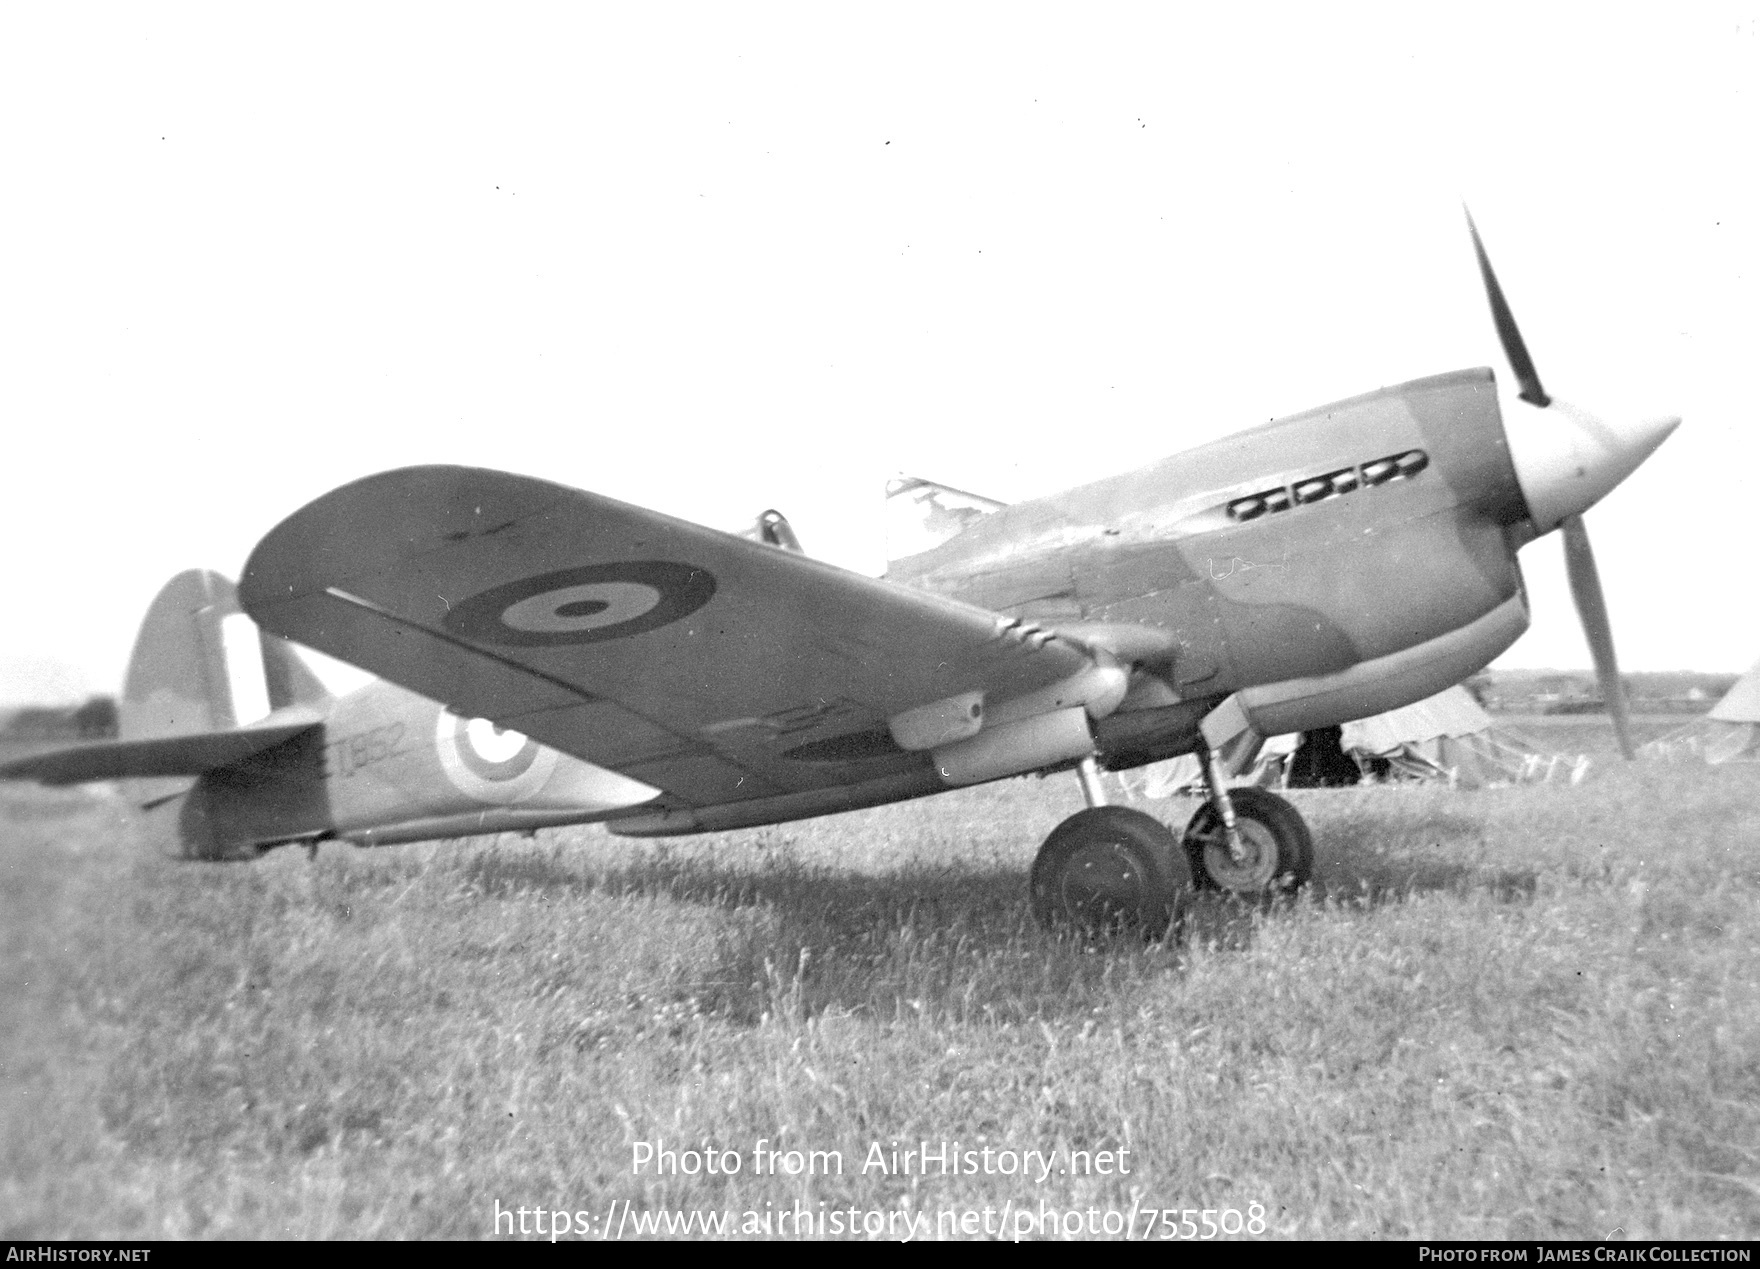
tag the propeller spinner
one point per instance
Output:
(1566, 460)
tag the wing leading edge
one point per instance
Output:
(714, 668)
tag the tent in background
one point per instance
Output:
(1447, 738)
(1729, 733)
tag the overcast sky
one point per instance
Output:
(717, 258)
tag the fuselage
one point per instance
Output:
(1289, 553)
(387, 765)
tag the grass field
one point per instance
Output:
(1529, 1012)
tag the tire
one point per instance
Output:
(1109, 870)
(1279, 848)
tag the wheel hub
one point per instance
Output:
(1255, 870)
(1100, 884)
(1106, 870)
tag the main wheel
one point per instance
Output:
(1278, 851)
(1108, 869)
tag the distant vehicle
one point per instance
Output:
(559, 656)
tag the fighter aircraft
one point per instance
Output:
(553, 656)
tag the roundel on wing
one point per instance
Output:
(490, 763)
(583, 605)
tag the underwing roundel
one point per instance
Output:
(583, 605)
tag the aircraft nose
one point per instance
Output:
(1568, 459)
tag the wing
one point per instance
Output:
(714, 668)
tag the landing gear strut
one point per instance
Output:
(1246, 841)
(1109, 869)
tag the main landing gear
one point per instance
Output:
(1276, 853)
(1111, 869)
(1246, 842)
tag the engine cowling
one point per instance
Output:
(1387, 682)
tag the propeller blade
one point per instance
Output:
(1579, 563)
(1511, 338)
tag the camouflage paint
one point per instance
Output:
(1307, 591)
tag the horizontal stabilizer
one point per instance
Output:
(186, 755)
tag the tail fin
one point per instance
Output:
(200, 665)
(204, 690)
